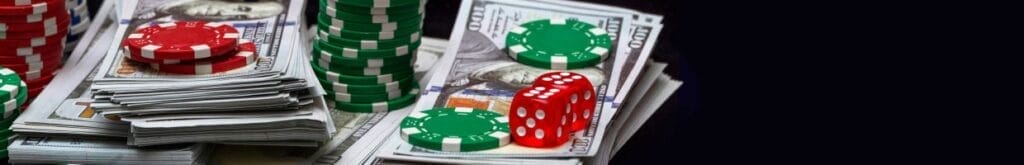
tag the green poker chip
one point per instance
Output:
(399, 85)
(358, 35)
(371, 44)
(364, 53)
(329, 61)
(373, 71)
(373, 3)
(405, 9)
(365, 71)
(365, 98)
(6, 132)
(456, 129)
(326, 22)
(384, 106)
(9, 120)
(9, 84)
(359, 80)
(558, 44)
(13, 93)
(363, 18)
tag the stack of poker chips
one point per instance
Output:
(13, 93)
(189, 47)
(365, 52)
(32, 38)
(79, 12)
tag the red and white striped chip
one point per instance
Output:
(28, 18)
(183, 40)
(33, 65)
(35, 7)
(32, 56)
(244, 55)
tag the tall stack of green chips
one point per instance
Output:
(365, 52)
(13, 93)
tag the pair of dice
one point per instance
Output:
(547, 113)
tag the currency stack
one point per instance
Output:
(32, 39)
(365, 53)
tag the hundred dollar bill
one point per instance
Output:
(481, 75)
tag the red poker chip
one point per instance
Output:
(10, 52)
(4, 60)
(32, 93)
(32, 65)
(56, 22)
(136, 58)
(19, 2)
(28, 18)
(37, 41)
(34, 8)
(183, 40)
(41, 81)
(37, 74)
(244, 55)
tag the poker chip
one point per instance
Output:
(9, 85)
(357, 35)
(49, 23)
(41, 81)
(558, 44)
(33, 65)
(329, 61)
(29, 53)
(359, 80)
(33, 8)
(363, 53)
(374, 3)
(5, 132)
(182, 40)
(244, 55)
(368, 18)
(403, 84)
(19, 2)
(365, 98)
(407, 17)
(326, 22)
(406, 9)
(456, 129)
(9, 116)
(366, 71)
(372, 44)
(32, 93)
(30, 18)
(81, 27)
(36, 41)
(383, 106)
(36, 74)
(10, 107)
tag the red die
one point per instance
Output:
(583, 99)
(538, 117)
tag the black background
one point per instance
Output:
(781, 81)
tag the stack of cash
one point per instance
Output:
(110, 111)
(41, 149)
(270, 100)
